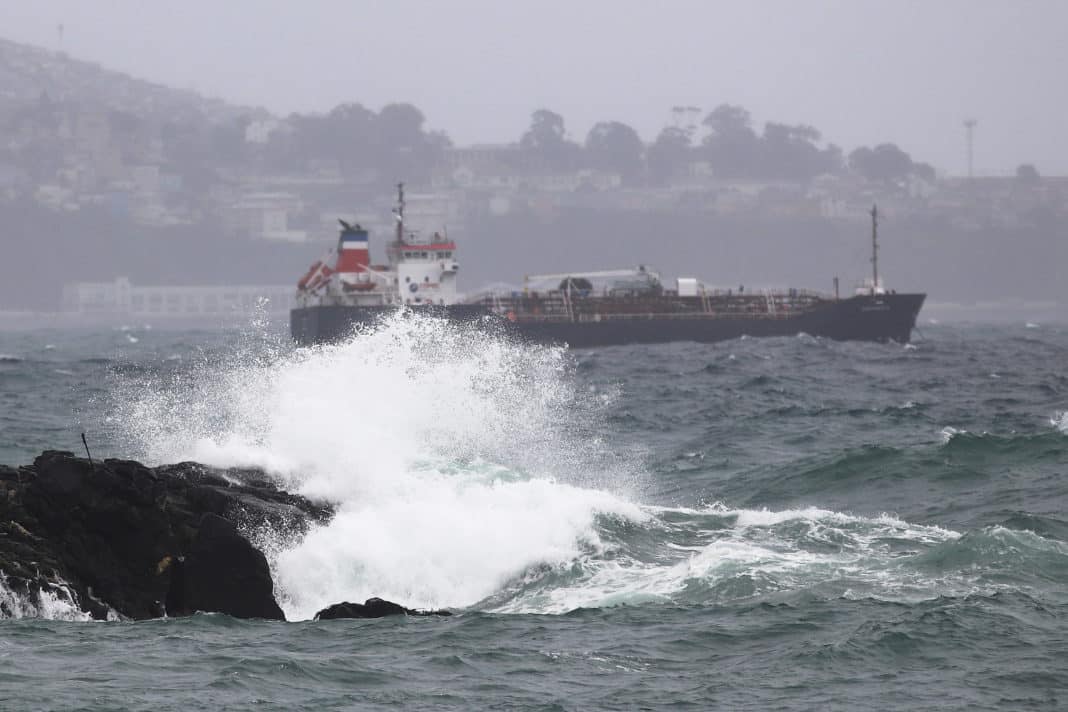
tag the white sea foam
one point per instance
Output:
(457, 460)
(54, 603)
(764, 552)
(949, 432)
(1060, 421)
(464, 474)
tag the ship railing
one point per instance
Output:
(558, 307)
(776, 292)
(596, 317)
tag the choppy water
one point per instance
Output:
(782, 523)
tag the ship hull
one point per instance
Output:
(324, 324)
(889, 317)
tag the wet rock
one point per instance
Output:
(372, 608)
(223, 573)
(104, 530)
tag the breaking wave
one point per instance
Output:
(467, 472)
(1060, 422)
(456, 459)
(54, 602)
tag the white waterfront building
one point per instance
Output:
(120, 297)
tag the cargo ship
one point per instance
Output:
(344, 291)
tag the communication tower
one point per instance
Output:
(969, 139)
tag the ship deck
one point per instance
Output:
(559, 306)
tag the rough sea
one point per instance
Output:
(788, 524)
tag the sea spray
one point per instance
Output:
(50, 602)
(468, 471)
(456, 458)
(1060, 421)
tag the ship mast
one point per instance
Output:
(394, 249)
(874, 249)
(399, 212)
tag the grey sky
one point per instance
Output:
(860, 71)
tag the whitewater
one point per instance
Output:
(834, 523)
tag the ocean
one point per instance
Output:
(789, 524)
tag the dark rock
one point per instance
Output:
(372, 608)
(222, 573)
(61, 473)
(124, 538)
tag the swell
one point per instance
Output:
(723, 557)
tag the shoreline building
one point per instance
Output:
(121, 298)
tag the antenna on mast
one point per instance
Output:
(874, 249)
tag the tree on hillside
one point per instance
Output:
(1027, 174)
(731, 145)
(616, 147)
(546, 139)
(404, 150)
(391, 142)
(728, 121)
(925, 171)
(791, 153)
(399, 126)
(669, 155)
(345, 134)
(884, 163)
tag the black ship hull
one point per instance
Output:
(324, 324)
(884, 317)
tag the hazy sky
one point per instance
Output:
(906, 71)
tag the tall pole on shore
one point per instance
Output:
(969, 139)
(874, 249)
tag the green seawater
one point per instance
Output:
(758, 524)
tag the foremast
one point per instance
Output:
(874, 249)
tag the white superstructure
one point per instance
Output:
(420, 270)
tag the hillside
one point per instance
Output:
(27, 73)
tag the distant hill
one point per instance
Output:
(27, 73)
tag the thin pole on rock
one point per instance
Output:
(86, 444)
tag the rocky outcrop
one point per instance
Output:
(372, 608)
(222, 572)
(122, 539)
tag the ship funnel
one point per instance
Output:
(353, 253)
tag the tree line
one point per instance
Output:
(731, 147)
(395, 142)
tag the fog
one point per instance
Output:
(863, 71)
(738, 142)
